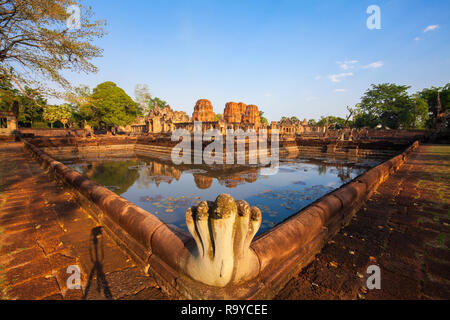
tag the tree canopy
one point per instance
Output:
(109, 104)
(157, 102)
(263, 119)
(334, 122)
(391, 106)
(430, 96)
(62, 113)
(37, 44)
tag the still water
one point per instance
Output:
(167, 190)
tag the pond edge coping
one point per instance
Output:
(282, 251)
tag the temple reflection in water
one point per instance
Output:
(167, 190)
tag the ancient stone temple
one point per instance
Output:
(203, 111)
(236, 115)
(290, 126)
(8, 123)
(159, 120)
(240, 113)
(233, 112)
(252, 115)
(242, 107)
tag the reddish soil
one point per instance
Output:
(43, 231)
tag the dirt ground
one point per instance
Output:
(43, 231)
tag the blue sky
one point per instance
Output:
(302, 58)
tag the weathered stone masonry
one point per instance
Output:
(280, 252)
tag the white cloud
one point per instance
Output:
(340, 90)
(416, 38)
(340, 76)
(431, 28)
(310, 98)
(374, 65)
(350, 64)
(317, 77)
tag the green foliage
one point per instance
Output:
(30, 107)
(7, 95)
(263, 119)
(418, 115)
(30, 103)
(109, 104)
(333, 122)
(51, 114)
(218, 116)
(113, 174)
(62, 113)
(430, 95)
(391, 106)
(157, 102)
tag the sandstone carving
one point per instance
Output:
(223, 231)
(252, 115)
(164, 119)
(242, 107)
(236, 115)
(233, 112)
(203, 111)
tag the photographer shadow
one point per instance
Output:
(97, 255)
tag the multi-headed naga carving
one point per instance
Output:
(223, 231)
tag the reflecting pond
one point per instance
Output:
(167, 190)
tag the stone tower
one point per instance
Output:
(233, 112)
(203, 111)
(252, 115)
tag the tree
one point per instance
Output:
(262, 118)
(430, 95)
(79, 98)
(336, 122)
(79, 95)
(51, 114)
(109, 104)
(8, 95)
(217, 116)
(38, 44)
(157, 102)
(419, 112)
(32, 105)
(65, 113)
(312, 122)
(388, 104)
(142, 98)
(29, 109)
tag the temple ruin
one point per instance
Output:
(236, 115)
